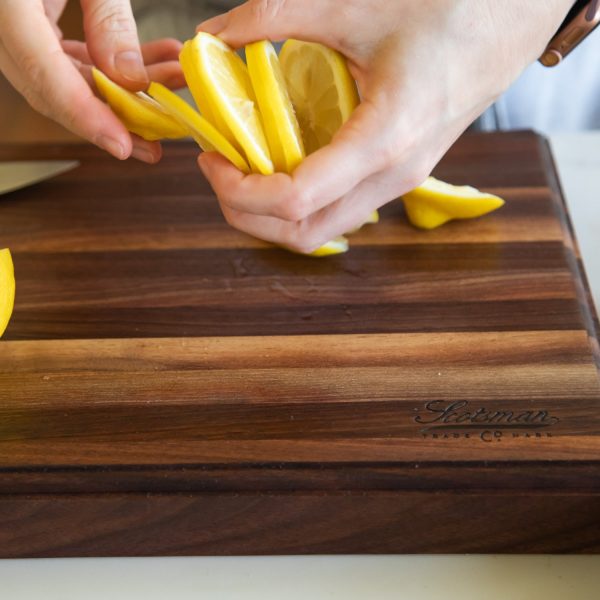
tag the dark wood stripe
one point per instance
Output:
(274, 319)
(269, 478)
(364, 263)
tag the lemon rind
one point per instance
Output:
(7, 289)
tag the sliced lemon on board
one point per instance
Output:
(321, 88)
(435, 202)
(7, 288)
(337, 245)
(280, 122)
(206, 136)
(137, 112)
(219, 81)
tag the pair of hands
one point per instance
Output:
(425, 69)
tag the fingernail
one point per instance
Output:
(131, 66)
(143, 155)
(214, 25)
(112, 146)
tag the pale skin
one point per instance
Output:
(425, 68)
(54, 75)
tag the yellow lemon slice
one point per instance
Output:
(321, 88)
(7, 288)
(338, 245)
(435, 202)
(280, 122)
(206, 136)
(219, 81)
(137, 112)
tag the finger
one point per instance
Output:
(274, 20)
(163, 50)
(161, 58)
(113, 43)
(167, 73)
(77, 50)
(54, 9)
(149, 152)
(35, 64)
(342, 216)
(355, 153)
(145, 151)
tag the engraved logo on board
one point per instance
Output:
(454, 420)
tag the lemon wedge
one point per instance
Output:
(7, 288)
(219, 81)
(435, 202)
(321, 88)
(206, 136)
(137, 112)
(280, 122)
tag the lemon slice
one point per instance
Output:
(7, 288)
(337, 245)
(219, 81)
(321, 88)
(281, 126)
(137, 112)
(206, 136)
(435, 202)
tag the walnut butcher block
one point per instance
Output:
(169, 386)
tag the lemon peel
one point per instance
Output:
(7, 288)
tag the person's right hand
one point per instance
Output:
(51, 73)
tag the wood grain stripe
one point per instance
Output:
(275, 319)
(436, 350)
(55, 220)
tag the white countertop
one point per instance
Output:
(348, 577)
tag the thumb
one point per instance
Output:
(274, 20)
(111, 36)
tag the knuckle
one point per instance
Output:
(266, 10)
(302, 240)
(229, 216)
(111, 18)
(228, 200)
(297, 206)
(31, 69)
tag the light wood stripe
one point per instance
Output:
(487, 349)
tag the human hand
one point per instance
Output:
(51, 73)
(425, 71)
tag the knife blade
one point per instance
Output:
(15, 175)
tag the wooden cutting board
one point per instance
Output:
(170, 386)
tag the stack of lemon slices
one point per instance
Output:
(266, 114)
